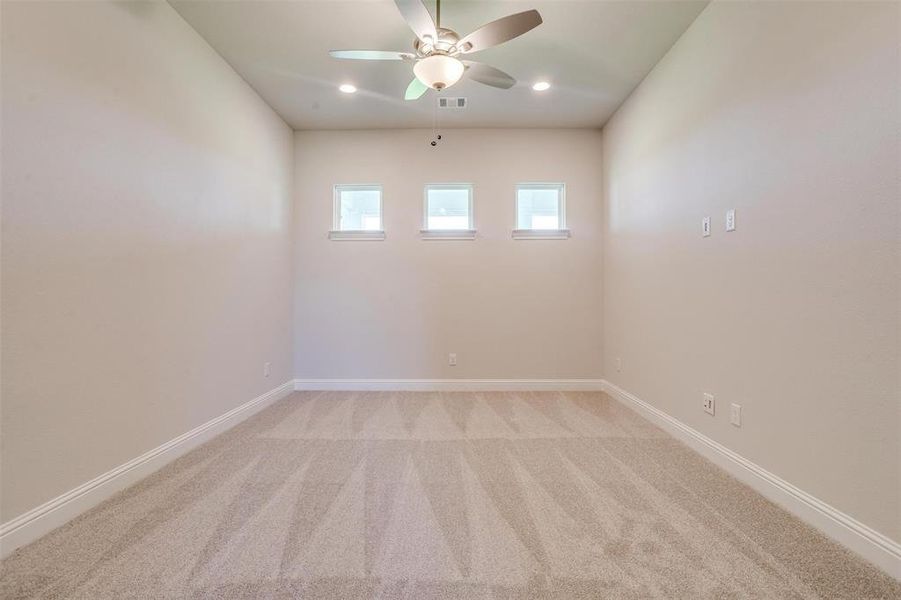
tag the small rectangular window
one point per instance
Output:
(448, 211)
(540, 211)
(357, 212)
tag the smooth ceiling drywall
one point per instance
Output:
(146, 257)
(395, 309)
(789, 113)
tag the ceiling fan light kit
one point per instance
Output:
(437, 50)
(439, 71)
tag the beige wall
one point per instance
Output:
(146, 255)
(396, 308)
(789, 113)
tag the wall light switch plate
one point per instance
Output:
(452, 359)
(708, 403)
(619, 364)
(267, 369)
(735, 415)
(730, 219)
(705, 227)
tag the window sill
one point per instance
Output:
(366, 236)
(541, 234)
(448, 234)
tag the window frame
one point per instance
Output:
(336, 233)
(448, 234)
(561, 232)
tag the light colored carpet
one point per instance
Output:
(440, 495)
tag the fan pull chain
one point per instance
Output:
(435, 135)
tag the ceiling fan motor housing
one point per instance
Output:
(445, 44)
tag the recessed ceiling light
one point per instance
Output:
(347, 88)
(540, 86)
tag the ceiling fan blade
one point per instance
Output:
(500, 31)
(415, 90)
(418, 18)
(370, 54)
(488, 75)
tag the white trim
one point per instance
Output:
(451, 385)
(448, 234)
(844, 529)
(865, 541)
(39, 521)
(541, 234)
(362, 235)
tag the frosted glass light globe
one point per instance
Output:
(438, 71)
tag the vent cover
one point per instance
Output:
(452, 103)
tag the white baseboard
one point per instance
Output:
(861, 539)
(451, 385)
(868, 543)
(39, 521)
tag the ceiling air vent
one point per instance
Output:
(452, 103)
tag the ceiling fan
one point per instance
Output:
(437, 50)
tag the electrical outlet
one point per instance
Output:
(267, 369)
(705, 227)
(452, 359)
(708, 403)
(735, 415)
(619, 364)
(730, 219)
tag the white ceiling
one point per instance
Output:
(593, 52)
